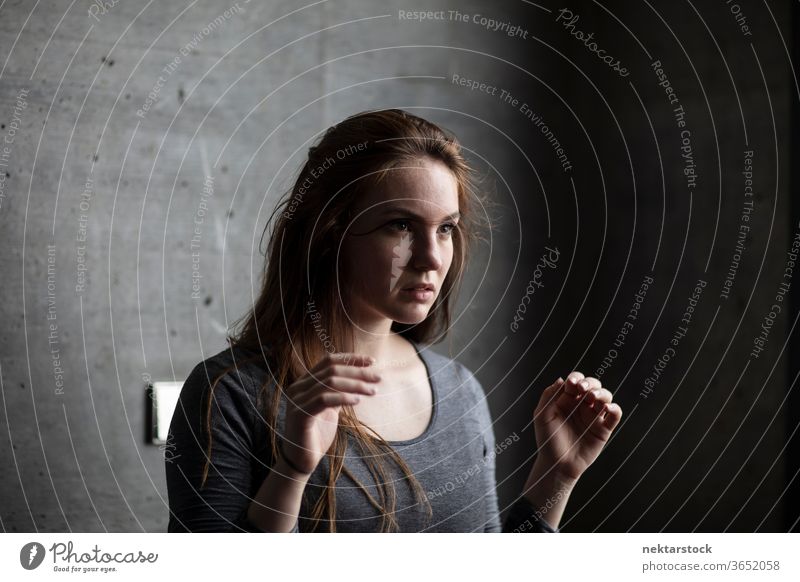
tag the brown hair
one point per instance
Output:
(353, 156)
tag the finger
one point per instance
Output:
(599, 397)
(346, 358)
(344, 364)
(341, 384)
(573, 394)
(550, 394)
(594, 383)
(351, 359)
(336, 384)
(345, 371)
(613, 416)
(586, 412)
(341, 377)
(573, 386)
(594, 419)
(604, 420)
(320, 402)
(586, 387)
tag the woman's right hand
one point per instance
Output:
(314, 402)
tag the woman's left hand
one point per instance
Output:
(573, 422)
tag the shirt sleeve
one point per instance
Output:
(523, 516)
(221, 504)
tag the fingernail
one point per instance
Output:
(584, 384)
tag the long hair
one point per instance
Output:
(301, 288)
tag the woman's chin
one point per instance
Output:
(411, 315)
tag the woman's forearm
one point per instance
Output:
(277, 503)
(549, 492)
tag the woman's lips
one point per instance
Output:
(419, 294)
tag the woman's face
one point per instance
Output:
(401, 237)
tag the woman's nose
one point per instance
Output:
(426, 254)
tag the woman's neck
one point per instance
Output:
(386, 348)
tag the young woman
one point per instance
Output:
(328, 412)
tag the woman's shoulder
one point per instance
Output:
(235, 372)
(451, 374)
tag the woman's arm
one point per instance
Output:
(224, 503)
(233, 498)
(277, 504)
(522, 515)
(548, 493)
(526, 514)
(573, 422)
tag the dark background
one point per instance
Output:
(712, 447)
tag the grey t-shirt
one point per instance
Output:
(454, 459)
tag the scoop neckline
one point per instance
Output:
(434, 400)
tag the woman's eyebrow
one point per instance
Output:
(400, 210)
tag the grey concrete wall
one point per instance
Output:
(240, 94)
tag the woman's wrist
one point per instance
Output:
(548, 490)
(276, 505)
(291, 468)
(283, 469)
(546, 475)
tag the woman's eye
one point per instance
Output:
(399, 224)
(449, 228)
(405, 225)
